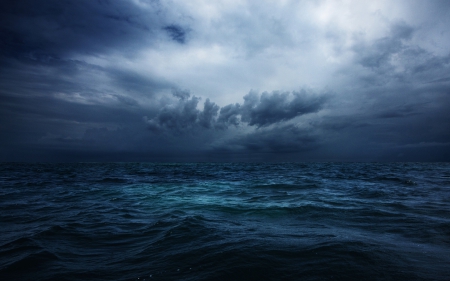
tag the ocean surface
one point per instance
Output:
(209, 221)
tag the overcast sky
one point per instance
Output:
(142, 80)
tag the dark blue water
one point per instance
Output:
(142, 221)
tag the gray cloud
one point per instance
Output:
(257, 110)
(401, 31)
(176, 32)
(42, 46)
(207, 117)
(399, 111)
(229, 115)
(77, 77)
(395, 58)
(181, 94)
(134, 82)
(286, 141)
(51, 96)
(55, 29)
(183, 116)
(379, 53)
(276, 107)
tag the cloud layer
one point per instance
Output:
(143, 80)
(257, 110)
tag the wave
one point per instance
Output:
(283, 186)
(318, 221)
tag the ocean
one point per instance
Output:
(225, 221)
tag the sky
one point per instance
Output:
(225, 80)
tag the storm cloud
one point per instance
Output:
(148, 80)
(183, 116)
(280, 139)
(276, 107)
(57, 29)
(257, 110)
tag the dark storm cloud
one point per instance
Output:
(379, 53)
(279, 139)
(39, 40)
(181, 94)
(54, 29)
(207, 117)
(183, 116)
(63, 89)
(77, 78)
(272, 108)
(38, 43)
(257, 110)
(176, 118)
(229, 115)
(52, 94)
(385, 54)
(388, 122)
(176, 32)
(399, 111)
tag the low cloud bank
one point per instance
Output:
(258, 110)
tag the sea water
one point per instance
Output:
(226, 221)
